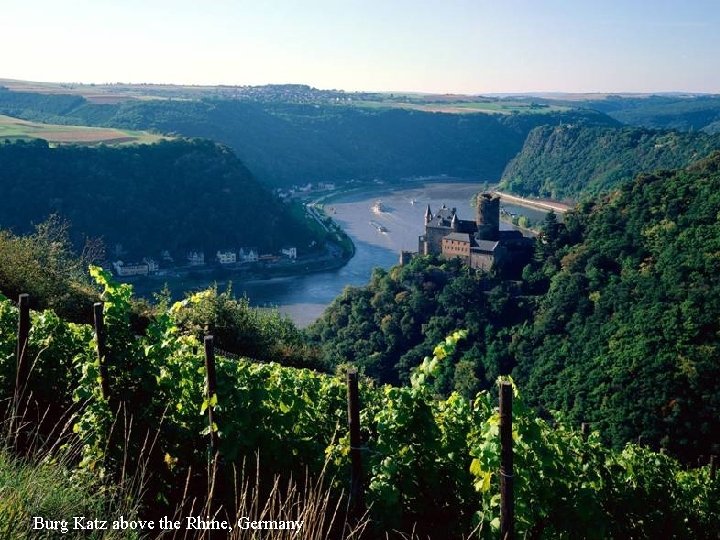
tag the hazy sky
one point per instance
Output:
(469, 46)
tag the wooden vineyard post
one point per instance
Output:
(585, 430)
(23, 365)
(210, 392)
(353, 400)
(507, 503)
(22, 373)
(713, 467)
(101, 348)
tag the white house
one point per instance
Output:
(130, 269)
(248, 254)
(289, 252)
(196, 258)
(226, 257)
(152, 264)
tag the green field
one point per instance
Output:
(465, 107)
(14, 128)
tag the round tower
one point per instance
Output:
(487, 216)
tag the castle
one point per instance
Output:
(480, 243)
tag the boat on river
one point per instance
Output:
(379, 227)
(378, 207)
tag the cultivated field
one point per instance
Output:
(14, 128)
(465, 107)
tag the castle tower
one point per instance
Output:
(405, 257)
(428, 215)
(454, 222)
(487, 216)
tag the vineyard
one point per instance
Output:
(421, 464)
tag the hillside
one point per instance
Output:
(387, 326)
(615, 322)
(627, 334)
(173, 195)
(296, 143)
(685, 113)
(14, 129)
(678, 111)
(429, 469)
(568, 161)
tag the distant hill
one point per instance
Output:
(685, 113)
(174, 195)
(285, 144)
(568, 161)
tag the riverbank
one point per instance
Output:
(527, 231)
(186, 279)
(538, 204)
(304, 293)
(380, 188)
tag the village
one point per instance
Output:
(243, 258)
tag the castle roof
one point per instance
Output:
(487, 246)
(443, 218)
(458, 237)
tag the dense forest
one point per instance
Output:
(569, 161)
(614, 323)
(285, 144)
(388, 326)
(175, 195)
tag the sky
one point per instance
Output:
(449, 46)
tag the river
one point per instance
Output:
(305, 297)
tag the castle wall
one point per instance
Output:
(456, 249)
(433, 239)
(405, 257)
(481, 261)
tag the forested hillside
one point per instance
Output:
(569, 161)
(388, 326)
(285, 144)
(627, 334)
(685, 113)
(615, 322)
(174, 195)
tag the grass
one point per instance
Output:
(46, 488)
(465, 107)
(39, 478)
(14, 128)
(312, 501)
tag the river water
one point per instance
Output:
(305, 297)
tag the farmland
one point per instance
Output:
(463, 106)
(14, 128)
